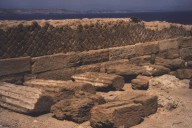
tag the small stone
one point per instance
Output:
(139, 84)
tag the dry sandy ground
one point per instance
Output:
(181, 117)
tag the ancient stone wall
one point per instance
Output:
(38, 38)
(174, 54)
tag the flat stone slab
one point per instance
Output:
(101, 81)
(15, 65)
(125, 69)
(131, 71)
(54, 62)
(24, 99)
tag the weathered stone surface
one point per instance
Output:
(124, 113)
(94, 56)
(146, 48)
(189, 64)
(170, 54)
(105, 65)
(116, 114)
(77, 108)
(54, 62)
(102, 81)
(121, 95)
(29, 77)
(140, 83)
(61, 74)
(184, 73)
(88, 68)
(14, 79)
(170, 63)
(186, 42)
(128, 71)
(23, 99)
(56, 86)
(131, 71)
(15, 66)
(190, 84)
(149, 102)
(186, 53)
(141, 59)
(169, 44)
(124, 52)
(110, 96)
(173, 73)
(155, 70)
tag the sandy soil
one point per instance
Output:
(181, 117)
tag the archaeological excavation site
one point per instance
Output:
(95, 73)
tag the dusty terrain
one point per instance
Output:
(179, 115)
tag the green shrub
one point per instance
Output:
(135, 19)
(190, 32)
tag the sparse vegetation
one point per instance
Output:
(191, 32)
(135, 19)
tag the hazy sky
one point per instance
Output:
(99, 4)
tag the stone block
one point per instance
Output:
(184, 73)
(61, 74)
(101, 81)
(141, 59)
(15, 66)
(122, 112)
(170, 63)
(88, 68)
(140, 83)
(55, 62)
(146, 48)
(170, 54)
(186, 42)
(54, 87)
(105, 65)
(169, 44)
(94, 56)
(115, 115)
(77, 108)
(186, 53)
(155, 70)
(124, 52)
(24, 99)
(189, 64)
